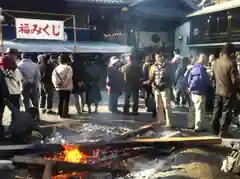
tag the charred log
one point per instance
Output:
(12, 150)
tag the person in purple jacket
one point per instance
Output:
(198, 83)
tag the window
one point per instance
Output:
(222, 21)
(235, 20)
(212, 25)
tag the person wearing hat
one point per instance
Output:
(12, 75)
(31, 80)
(115, 82)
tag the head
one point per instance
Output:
(201, 59)
(176, 51)
(63, 60)
(185, 61)
(46, 58)
(148, 59)
(228, 50)
(159, 57)
(114, 62)
(13, 53)
(26, 55)
(130, 59)
(211, 59)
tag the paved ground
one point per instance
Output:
(179, 166)
(49, 121)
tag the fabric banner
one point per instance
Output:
(39, 29)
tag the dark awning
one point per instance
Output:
(107, 2)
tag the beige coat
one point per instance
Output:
(62, 77)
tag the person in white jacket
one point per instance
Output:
(63, 83)
(13, 77)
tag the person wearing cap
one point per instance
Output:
(46, 68)
(13, 76)
(115, 82)
(226, 81)
(31, 81)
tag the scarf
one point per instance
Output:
(8, 66)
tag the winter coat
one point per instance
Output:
(160, 76)
(179, 80)
(225, 76)
(132, 74)
(78, 76)
(62, 77)
(115, 80)
(30, 71)
(46, 70)
(198, 80)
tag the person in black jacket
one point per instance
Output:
(4, 93)
(179, 84)
(46, 68)
(78, 83)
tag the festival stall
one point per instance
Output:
(65, 46)
(38, 35)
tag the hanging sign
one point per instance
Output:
(39, 29)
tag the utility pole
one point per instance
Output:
(1, 32)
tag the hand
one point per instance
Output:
(80, 84)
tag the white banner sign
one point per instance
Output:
(39, 29)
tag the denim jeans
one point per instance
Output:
(113, 101)
(46, 96)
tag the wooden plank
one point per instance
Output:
(211, 139)
(141, 130)
(160, 142)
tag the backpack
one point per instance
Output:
(186, 76)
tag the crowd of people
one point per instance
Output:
(204, 86)
(184, 81)
(35, 84)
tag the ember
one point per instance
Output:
(71, 154)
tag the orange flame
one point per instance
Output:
(73, 154)
(70, 154)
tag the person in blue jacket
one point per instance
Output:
(198, 83)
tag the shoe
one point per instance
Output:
(200, 130)
(50, 111)
(89, 111)
(168, 126)
(225, 135)
(135, 113)
(43, 111)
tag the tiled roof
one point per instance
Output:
(115, 2)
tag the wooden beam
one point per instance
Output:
(156, 142)
(139, 131)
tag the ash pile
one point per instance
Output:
(100, 151)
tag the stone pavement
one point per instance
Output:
(179, 117)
